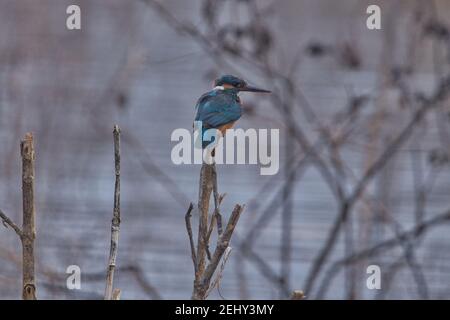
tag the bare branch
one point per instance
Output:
(222, 245)
(216, 282)
(7, 222)
(115, 223)
(187, 219)
(28, 227)
(203, 272)
(205, 189)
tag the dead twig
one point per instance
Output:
(28, 227)
(7, 222)
(115, 223)
(187, 219)
(28, 232)
(216, 282)
(202, 286)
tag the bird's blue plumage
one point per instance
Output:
(217, 108)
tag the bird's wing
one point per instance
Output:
(215, 110)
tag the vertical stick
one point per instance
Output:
(206, 187)
(203, 272)
(187, 219)
(28, 226)
(115, 223)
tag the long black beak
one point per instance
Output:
(254, 89)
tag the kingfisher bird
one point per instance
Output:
(221, 107)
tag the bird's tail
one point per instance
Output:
(201, 140)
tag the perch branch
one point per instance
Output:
(206, 186)
(204, 272)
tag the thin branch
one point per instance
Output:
(115, 223)
(7, 222)
(216, 282)
(187, 219)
